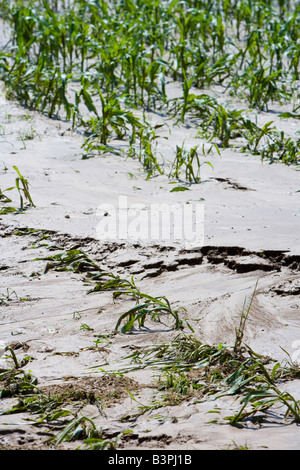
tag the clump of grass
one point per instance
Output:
(28, 134)
(199, 371)
(153, 307)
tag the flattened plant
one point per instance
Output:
(153, 307)
(202, 371)
(16, 381)
(84, 428)
(70, 260)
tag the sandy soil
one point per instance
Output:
(251, 233)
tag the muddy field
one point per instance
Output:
(251, 235)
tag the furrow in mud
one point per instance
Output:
(154, 259)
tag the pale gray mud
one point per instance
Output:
(65, 337)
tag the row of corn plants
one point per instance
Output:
(95, 64)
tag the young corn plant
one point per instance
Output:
(142, 147)
(109, 281)
(22, 186)
(16, 381)
(225, 124)
(239, 332)
(198, 106)
(149, 81)
(111, 119)
(146, 306)
(3, 198)
(188, 161)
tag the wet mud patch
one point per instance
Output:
(109, 389)
(232, 184)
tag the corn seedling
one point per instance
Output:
(22, 186)
(112, 117)
(153, 307)
(223, 123)
(10, 294)
(71, 260)
(8, 210)
(199, 106)
(271, 144)
(3, 198)
(262, 87)
(256, 134)
(142, 147)
(16, 381)
(189, 162)
(263, 398)
(280, 148)
(85, 429)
